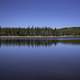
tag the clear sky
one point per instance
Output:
(54, 13)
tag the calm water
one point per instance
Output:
(39, 59)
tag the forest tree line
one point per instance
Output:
(39, 31)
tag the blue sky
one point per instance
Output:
(54, 13)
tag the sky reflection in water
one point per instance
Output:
(40, 60)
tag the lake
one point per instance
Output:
(46, 59)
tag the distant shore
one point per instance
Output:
(28, 37)
(38, 37)
(35, 36)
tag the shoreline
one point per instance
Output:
(39, 38)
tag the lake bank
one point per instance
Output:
(39, 37)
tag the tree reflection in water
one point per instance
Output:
(38, 42)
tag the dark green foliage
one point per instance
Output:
(33, 31)
(37, 31)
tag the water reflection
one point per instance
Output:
(37, 42)
(27, 63)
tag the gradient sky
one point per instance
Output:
(54, 13)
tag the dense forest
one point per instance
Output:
(39, 31)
